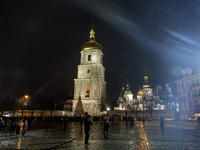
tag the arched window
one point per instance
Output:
(88, 71)
(89, 57)
(87, 94)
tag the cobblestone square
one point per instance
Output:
(44, 135)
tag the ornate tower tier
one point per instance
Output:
(90, 83)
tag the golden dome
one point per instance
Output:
(140, 93)
(127, 85)
(123, 88)
(92, 44)
(146, 82)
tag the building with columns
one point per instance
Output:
(90, 84)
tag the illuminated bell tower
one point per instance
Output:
(90, 83)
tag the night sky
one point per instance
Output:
(40, 43)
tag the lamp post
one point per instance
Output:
(25, 102)
(108, 109)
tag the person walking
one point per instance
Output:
(65, 122)
(61, 121)
(132, 121)
(12, 126)
(5, 121)
(17, 129)
(24, 127)
(162, 123)
(30, 119)
(106, 127)
(1, 126)
(88, 122)
(143, 120)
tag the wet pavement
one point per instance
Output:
(43, 135)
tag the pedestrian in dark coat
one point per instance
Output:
(1, 126)
(5, 121)
(30, 119)
(65, 122)
(162, 123)
(143, 120)
(12, 126)
(88, 122)
(106, 127)
(132, 121)
(17, 129)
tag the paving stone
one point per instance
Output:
(43, 135)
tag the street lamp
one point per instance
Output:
(108, 109)
(25, 102)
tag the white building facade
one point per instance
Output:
(125, 99)
(188, 91)
(146, 98)
(90, 83)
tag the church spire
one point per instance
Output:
(92, 32)
(146, 81)
(92, 44)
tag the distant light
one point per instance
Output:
(108, 108)
(7, 115)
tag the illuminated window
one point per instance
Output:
(89, 57)
(88, 71)
(87, 94)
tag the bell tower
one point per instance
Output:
(90, 83)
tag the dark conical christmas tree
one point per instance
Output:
(79, 108)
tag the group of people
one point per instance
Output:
(87, 124)
(15, 126)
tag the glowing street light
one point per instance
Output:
(25, 102)
(108, 109)
(26, 99)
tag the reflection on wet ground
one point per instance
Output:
(142, 140)
(19, 143)
(43, 135)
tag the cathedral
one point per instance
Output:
(90, 84)
(146, 98)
